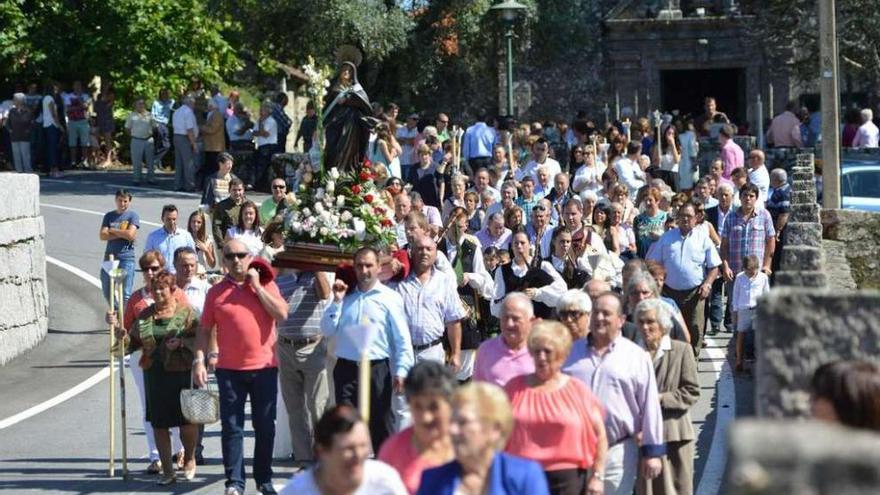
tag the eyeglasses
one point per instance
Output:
(571, 315)
(539, 208)
(232, 256)
(155, 268)
(279, 186)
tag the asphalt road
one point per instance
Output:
(64, 448)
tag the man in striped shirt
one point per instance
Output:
(302, 356)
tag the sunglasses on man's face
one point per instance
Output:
(279, 186)
(232, 256)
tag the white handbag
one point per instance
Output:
(200, 406)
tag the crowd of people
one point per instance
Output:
(534, 330)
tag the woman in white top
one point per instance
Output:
(385, 149)
(535, 278)
(197, 227)
(248, 230)
(689, 149)
(342, 445)
(587, 178)
(666, 156)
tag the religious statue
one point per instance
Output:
(347, 118)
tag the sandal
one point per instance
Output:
(155, 467)
(167, 479)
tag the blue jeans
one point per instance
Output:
(127, 282)
(235, 387)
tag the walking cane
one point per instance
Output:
(119, 275)
(110, 268)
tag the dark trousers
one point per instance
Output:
(162, 143)
(261, 173)
(566, 481)
(716, 308)
(209, 168)
(478, 163)
(693, 309)
(53, 146)
(345, 379)
(235, 387)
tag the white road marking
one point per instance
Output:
(91, 212)
(75, 390)
(725, 395)
(123, 186)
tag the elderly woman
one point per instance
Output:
(676, 372)
(481, 424)
(536, 278)
(641, 286)
(573, 311)
(558, 421)
(342, 447)
(426, 444)
(166, 332)
(458, 185)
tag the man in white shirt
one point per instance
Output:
(186, 133)
(406, 136)
(759, 176)
(266, 138)
(868, 135)
(629, 173)
(541, 156)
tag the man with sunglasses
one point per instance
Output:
(241, 312)
(274, 205)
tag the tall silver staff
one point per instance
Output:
(116, 351)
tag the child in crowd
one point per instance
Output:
(748, 286)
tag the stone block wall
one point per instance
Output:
(799, 329)
(859, 236)
(775, 457)
(803, 260)
(24, 298)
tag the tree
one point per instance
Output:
(140, 45)
(788, 31)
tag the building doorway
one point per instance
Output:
(685, 90)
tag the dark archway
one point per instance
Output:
(685, 90)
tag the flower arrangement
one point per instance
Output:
(316, 88)
(345, 210)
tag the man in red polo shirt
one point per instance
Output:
(241, 311)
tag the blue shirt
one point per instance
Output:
(478, 141)
(686, 258)
(380, 307)
(166, 243)
(429, 307)
(509, 475)
(120, 248)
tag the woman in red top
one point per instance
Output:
(426, 444)
(558, 421)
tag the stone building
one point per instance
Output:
(649, 54)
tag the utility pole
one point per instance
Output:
(830, 104)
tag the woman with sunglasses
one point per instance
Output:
(151, 262)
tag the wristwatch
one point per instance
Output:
(213, 355)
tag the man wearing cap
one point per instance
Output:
(407, 137)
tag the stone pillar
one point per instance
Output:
(24, 297)
(802, 256)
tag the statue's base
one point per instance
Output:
(312, 257)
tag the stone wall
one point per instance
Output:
(802, 256)
(799, 329)
(774, 457)
(24, 298)
(859, 236)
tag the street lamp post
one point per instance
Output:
(509, 10)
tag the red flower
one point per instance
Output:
(365, 176)
(367, 163)
(368, 198)
(379, 211)
(385, 222)
(356, 189)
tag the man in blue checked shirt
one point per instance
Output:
(370, 304)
